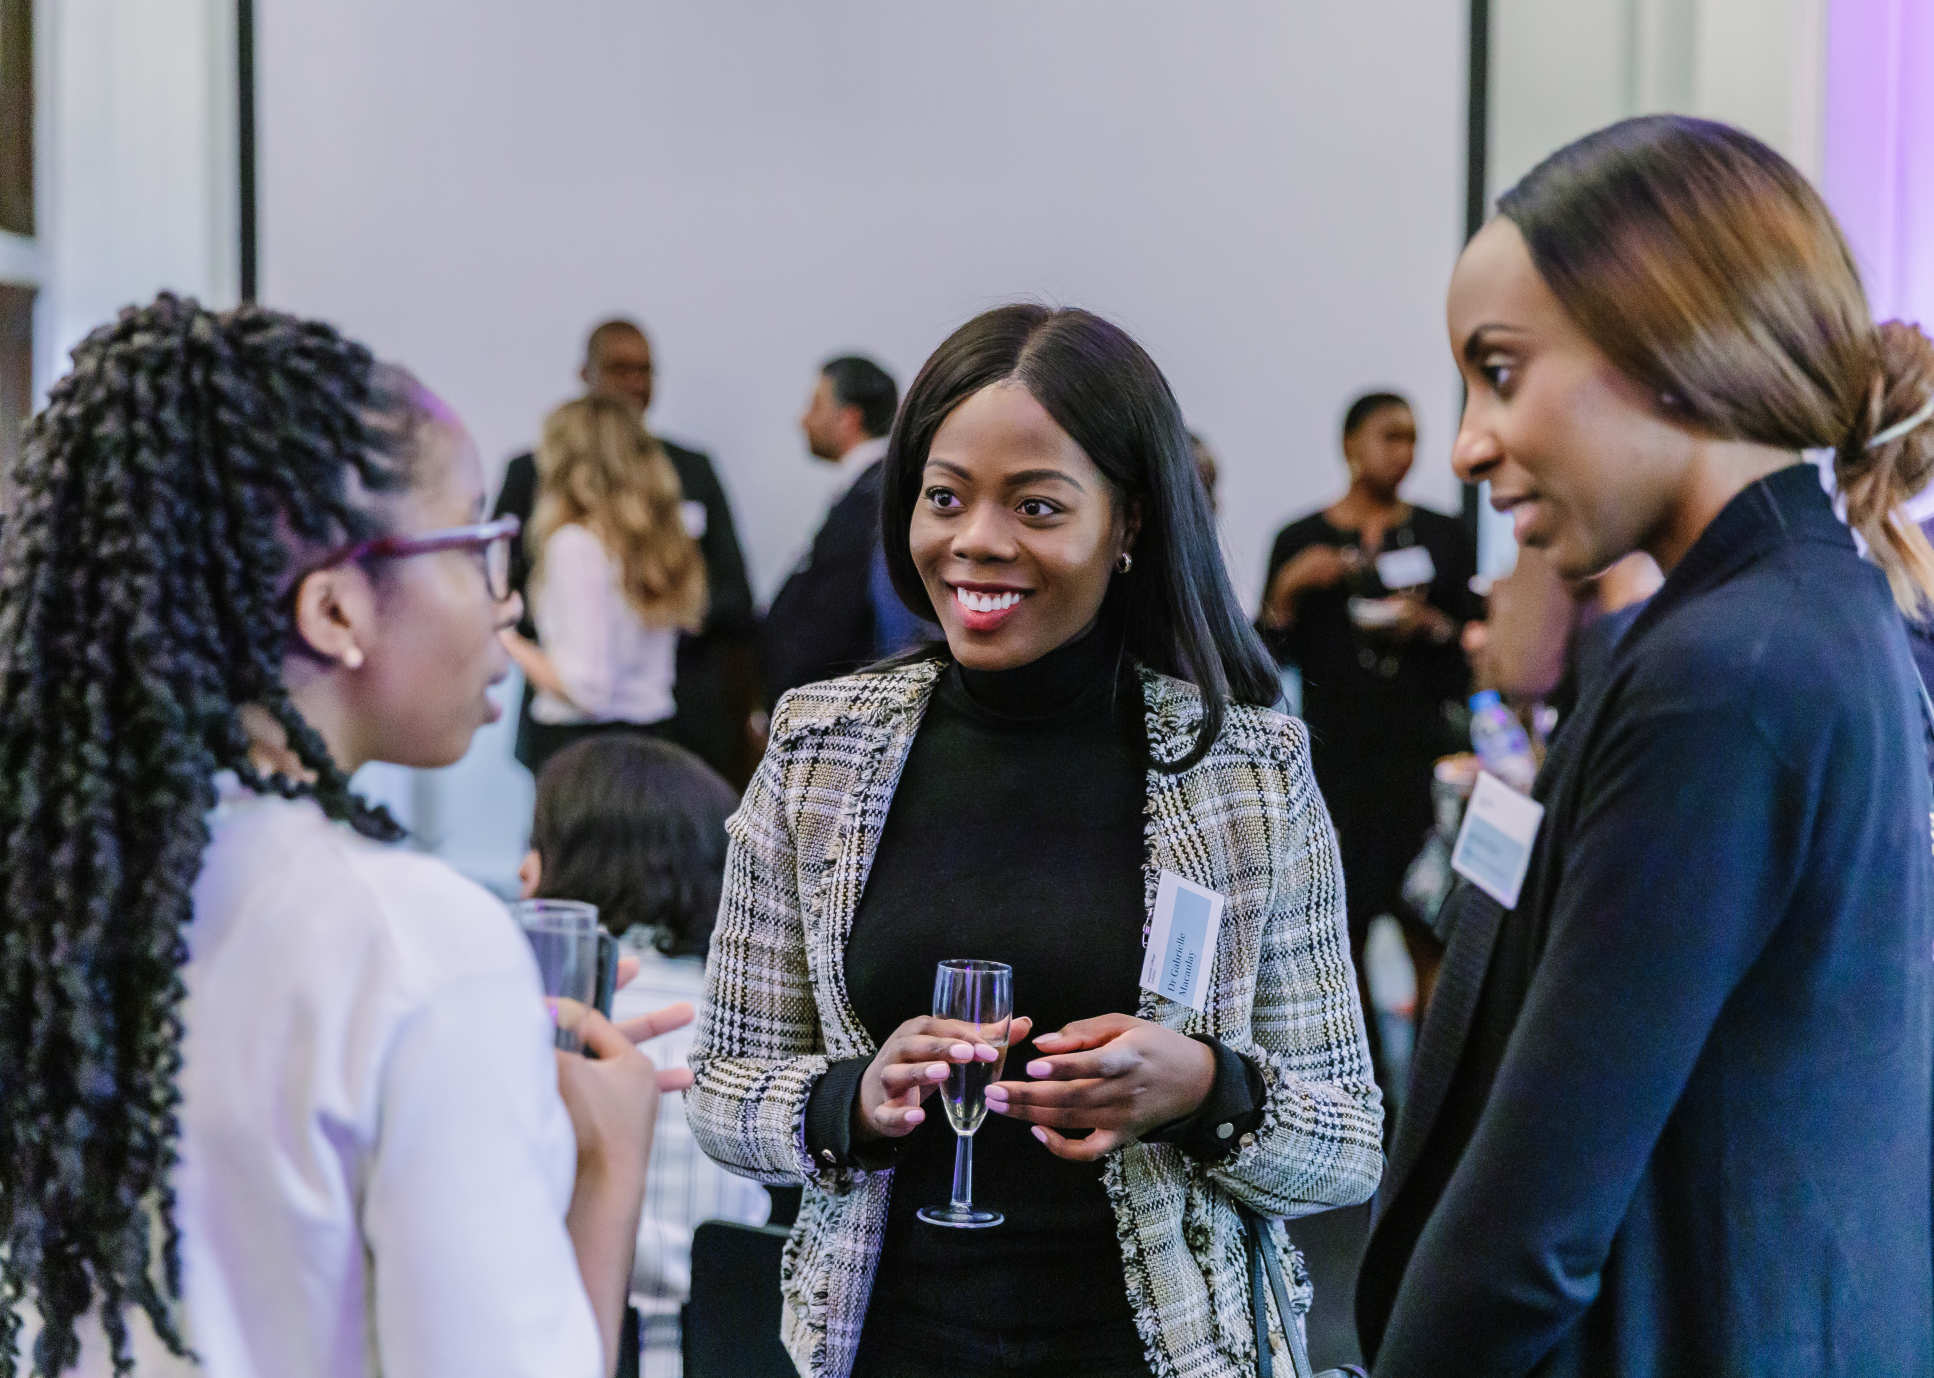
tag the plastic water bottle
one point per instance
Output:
(1500, 742)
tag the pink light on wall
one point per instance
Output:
(1878, 172)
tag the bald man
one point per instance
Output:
(712, 703)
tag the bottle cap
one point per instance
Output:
(1486, 698)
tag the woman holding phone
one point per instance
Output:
(1672, 1107)
(1096, 718)
(263, 1065)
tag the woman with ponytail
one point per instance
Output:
(261, 1068)
(1671, 1110)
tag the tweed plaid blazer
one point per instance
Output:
(1246, 821)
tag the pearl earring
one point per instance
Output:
(353, 658)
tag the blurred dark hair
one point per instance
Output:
(635, 826)
(608, 330)
(1712, 274)
(859, 382)
(1367, 406)
(1174, 610)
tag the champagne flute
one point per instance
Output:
(979, 995)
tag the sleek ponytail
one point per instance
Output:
(1712, 274)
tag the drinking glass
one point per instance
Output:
(564, 937)
(978, 997)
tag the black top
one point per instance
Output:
(821, 623)
(1672, 1113)
(1376, 707)
(1016, 833)
(1364, 696)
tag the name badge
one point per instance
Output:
(1181, 941)
(1406, 567)
(1493, 849)
(692, 512)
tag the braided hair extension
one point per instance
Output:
(142, 605)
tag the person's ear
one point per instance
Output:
(335, 614)
(584, 376)
(530, 874)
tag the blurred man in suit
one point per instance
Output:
(838, 611)
(715, 686)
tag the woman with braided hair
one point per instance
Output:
(260, 1068)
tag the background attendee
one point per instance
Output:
(836, 612)
(617, 576)
(276, 1088)
(1672, 1111)
(715, 663)
(637, 827)
(1380, 662)
(1543, 637)
(1095, 715)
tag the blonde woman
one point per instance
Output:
(616, 576)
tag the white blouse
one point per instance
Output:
(614, 667)
(375, 1162)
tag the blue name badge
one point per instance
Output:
(1493, 849)
(1181, 941)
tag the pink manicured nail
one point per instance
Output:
(937, 1072)
(1039, 1133)
(996, 1095)
(916, 1116)
(1040, 1067)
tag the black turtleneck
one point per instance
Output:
(1016, 834)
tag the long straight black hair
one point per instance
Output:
(1174, 610)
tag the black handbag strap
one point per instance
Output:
(1265, 1279)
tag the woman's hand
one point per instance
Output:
(908, 1067)
(1117, 1075)
(613, 1094)
(1417, 619)
(535, 664)
(613, 1100)
(1312, 567)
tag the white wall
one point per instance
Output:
(1561, 70)
(1879, 136)
(136, 164)
(1268, 195)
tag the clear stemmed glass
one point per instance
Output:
(978, 996)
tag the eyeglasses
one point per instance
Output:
(491, 540)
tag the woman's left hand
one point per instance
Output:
(1117, 1075)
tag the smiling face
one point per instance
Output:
(1579, 455)
(1015, 533)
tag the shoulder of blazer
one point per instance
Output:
(1248, 731)
(862, 703)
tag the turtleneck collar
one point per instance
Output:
(1065, 679)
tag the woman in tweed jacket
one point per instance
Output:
(1041, 505)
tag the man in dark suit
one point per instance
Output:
(714, 687)
(837, 611)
